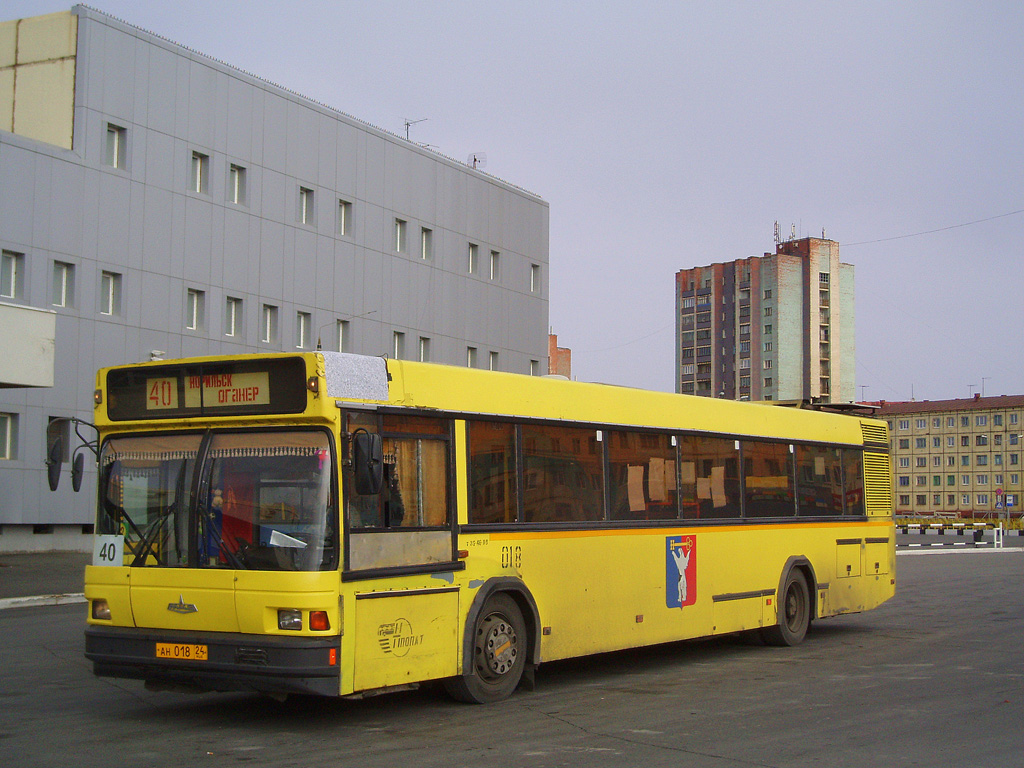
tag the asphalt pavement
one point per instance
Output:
(42, 578)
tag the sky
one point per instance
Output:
(668, 135)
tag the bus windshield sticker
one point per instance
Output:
(680, 571)
(108, 550)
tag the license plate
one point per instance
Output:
(182, 652)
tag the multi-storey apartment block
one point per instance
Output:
(772, 327)
(959, 457)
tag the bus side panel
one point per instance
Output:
(403, 636)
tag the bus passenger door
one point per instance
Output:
(401, 551)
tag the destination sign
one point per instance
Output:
(210, 391)
(188, 389)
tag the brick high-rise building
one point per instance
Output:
(772, 327)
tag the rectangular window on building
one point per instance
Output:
(535, 367)
(767, 364)
(965, 461)
(767, 330)
(982, 498)
(981, 460)
(1013, 458)
(492, 361)
(236, 184)
(232, 316)
(904, 500)
(307, 210)
(936, 479)
(950, 441)
(936, 442)
(965, 441)
(965, 499)
(965, 421)
(12, 275)
(1012, 439)
(980, 421)
(343, 336)
(823, 278)
(344, 218)
(303, 326)
(904, 481)
(965, 479)
(921, 423)
(426, 243)
(920, 442)
(62, 292)
(194, 301)
(982, 479)
(471, 357)
(116, 153)
(495, 274)
(1013, 418)
(8, 436)
(687, 370)
(767, 311)
(936, 423)
(951, 461)
(534, 278)
(921, 461)
(768, 381)
(936, 461)
(472, 261)
(268, 327)
(424, 349)
(110, 293)
(997, 459)
(920, 480)
(904, 443)
(400, 235)
(950, 479)
(904, 461)
(981, 439)
(951, 421)
(200, 173)
(767, 293)
(767, 346)
(997, 439)
(398, 345)
(922, 499)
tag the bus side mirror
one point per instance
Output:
(77, 470)
(367, 462)
(53, 462)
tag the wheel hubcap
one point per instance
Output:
(496, 647)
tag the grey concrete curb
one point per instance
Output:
(28, 602)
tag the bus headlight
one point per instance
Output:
(290, 619)
(100, 610)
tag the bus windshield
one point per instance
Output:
(262, 501)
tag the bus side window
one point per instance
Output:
(493, 482)
(563, 477)
(710, 477)
(642, 476)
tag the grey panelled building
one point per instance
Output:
(164, 204)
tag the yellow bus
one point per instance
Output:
(342, 525)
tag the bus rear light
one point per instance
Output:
(318, 621)
(290, 619)
(100, 610)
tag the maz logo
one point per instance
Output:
(181, 606)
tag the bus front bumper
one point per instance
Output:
(233, 662)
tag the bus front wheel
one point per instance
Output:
(499, 654)
(794, 612)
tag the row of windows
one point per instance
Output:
(536, 473)
(921, 500)
(541, 473)
(980, 420)
(903, 443)
(903, 481)
(980, 460)
(62, 284)
(305, 210)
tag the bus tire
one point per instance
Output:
(794, 612)
(499, 654)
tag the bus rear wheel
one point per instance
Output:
(499, 654)
(794, 612)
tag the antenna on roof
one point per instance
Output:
(778, 237)
(477, 160)
(409, 123)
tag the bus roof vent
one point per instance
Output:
(356, 377)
